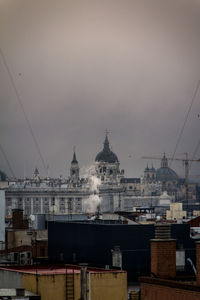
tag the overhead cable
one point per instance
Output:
(185, 121)
(23, 110)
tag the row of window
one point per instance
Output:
(42, 205)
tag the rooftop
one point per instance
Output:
(55, 269)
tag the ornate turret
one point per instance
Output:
(36, 175)
(149, 174)
(164, 162)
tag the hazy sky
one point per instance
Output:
(83, 66)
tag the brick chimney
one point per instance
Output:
(18, 219)
(198, 262)
(163, 252)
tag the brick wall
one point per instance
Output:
(198, 262)
(160, 289)
(163, 258)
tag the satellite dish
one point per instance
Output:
(53, 209)
(32, 217)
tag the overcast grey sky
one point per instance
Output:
(83, 66)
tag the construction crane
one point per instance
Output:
(186, 162)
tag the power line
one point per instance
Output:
(22, 108)
(6, 159)
(196, 149)
(185, 121)
(195, 152)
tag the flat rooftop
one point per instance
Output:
(55, 269)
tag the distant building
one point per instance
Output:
(22, 243)
(167, 177)
(66, 196)
(176, 212)
(114, 191)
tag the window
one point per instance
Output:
(20, 203)
(36, 205)
(62, 205)
(52, 201)
(8, 201)
(45, 205)
(42, 251)
(78, 205)
(70, 204)
(16, 256)
(27, 206)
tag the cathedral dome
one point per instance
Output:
(106, 155)
(165, 173)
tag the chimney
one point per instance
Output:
(18, 219)
(163, 252)
(117, 257)
(198, 262)
(83, 278)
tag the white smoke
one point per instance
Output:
(91, 204)
(94, 183)
(87, 171)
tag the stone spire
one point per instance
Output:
(74, 170)
(74, 160)
(106, 144)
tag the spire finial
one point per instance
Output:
(106, 142)
(74, 160)
(107, 132)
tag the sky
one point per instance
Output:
(83, 66)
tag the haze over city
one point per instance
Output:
(83, 66)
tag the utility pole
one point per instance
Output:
(83, 283)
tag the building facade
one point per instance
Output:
(113, 191)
